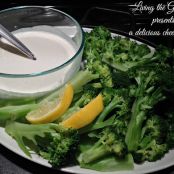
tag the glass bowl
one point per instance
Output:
(47, 19)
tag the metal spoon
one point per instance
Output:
(14, 41)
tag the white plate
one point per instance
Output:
(147, 167)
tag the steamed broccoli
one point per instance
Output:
(96, 39)
(141, 79)
(88, 93)
(124, 54)
(114, 99)
(152, 145)
(111, 141)
(155, 127)
(166, 78)
(146, 97)
(52, 141)
(18, 112)
(101, 32)
(152, 151)
(94, 43)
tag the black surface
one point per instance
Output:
(87, 13)
(11, 163)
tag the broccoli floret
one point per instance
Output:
(152, 145)
(61, 148)
(111, 141)
(138, 50)
(123, 54)
(96, 66)
(119, 103)
(152, 151)
(94, 43)
(155, 127)
(163, 53)
(88, 93)
(53, 142)
(101, 32)
(104, 72)
(108, 94)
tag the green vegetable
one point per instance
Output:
(110, 164)
(152, 145)
(147, 96)
(123, 54)
(155, 127)
(54, 142)
(150, 151)
(123, 58)
(17, 101)
(111, 141)
(119, 102)
(94, 44)
(138, 81)
(9, 113)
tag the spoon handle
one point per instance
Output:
(14, 41)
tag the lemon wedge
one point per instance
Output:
(49, 111)
(86, 115)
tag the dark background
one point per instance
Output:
(114, 14)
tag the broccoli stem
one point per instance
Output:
(68, 113)
(17, 101)
(95, 126)
(14, 112)
(82, 78)
(78, 81)
(134, 132)
(112, 105)
(94, 153)
(140, 110)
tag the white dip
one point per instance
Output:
(51, 48)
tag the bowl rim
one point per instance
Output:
(41, 73)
